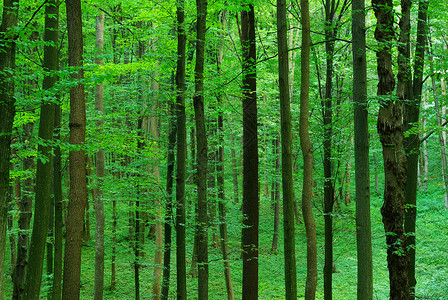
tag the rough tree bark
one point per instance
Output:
(250, 156)
(390, 130)
(78, 188)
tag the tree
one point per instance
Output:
(100, 168)
(286, 138)
(412, 142)
(250, 156)
(78, 188)
(307, 152)
(7, 112)
(390, 130)
(181, 154)
(43, 174)
(201, 138)
(362, 177)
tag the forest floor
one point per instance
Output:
(431, 262)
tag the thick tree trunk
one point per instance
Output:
(250, 157)
(362, 180)
(307, 152)
(286, 139)
(7, 112)
(181, 155)
(43, 173)
(201, 138)
(390, 130)
(100, 170)
(78, 189)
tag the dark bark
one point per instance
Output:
(181, 154)
(201, 139)
(307, 152)
(412, 142)
(390, 130)
(7, 112)
(286, 140)
(275, 194)
(43, 172)
(362, 180)
(172, 128)
(250, 157)
(78, 189)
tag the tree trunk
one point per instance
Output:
(275, 194)
(201, 139)
(43, 173)
(390, 130)
(7, 112)
(234, 172)
(26, 207)
(100, 169)
(286, 139)
(307, 152)
(362, 180)
(172, 128)
(412, 142)
(181, 155)
(78, 189)
(222, 18)
(58, 222)
(250, 157)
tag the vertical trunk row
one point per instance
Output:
(286, 140)
(362, 180)
(43, 173)
(250, 157)
(78, 189)
(307, 152)
(181, 154)
(100, 169)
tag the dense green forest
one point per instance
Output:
(223, 149)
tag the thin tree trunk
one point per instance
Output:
(275, 194)
(78, 189)
(250, 157)
(234, 172)
(58, 222)
(286, 140)
(362, 180)
(172, 128)
(43, 172)
(220, 171)
(7, 100)
(201, 139)
(307, 152)
(412, 142)
(181, 155)
(26, 207)
(100, 170)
